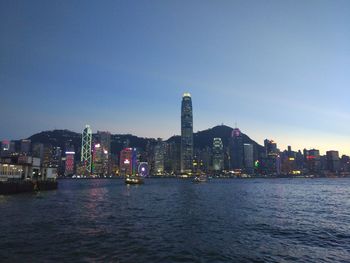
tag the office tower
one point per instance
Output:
(218, 155)
(97, 157)
(12, 146)
(236, 150)
(69, 166)
(333, 161)
(172, 157)
(38, 151)
(128, 161)
(159, 151)
(86, 158)
(205, 159)
(186, 134)
(25, 146)
(270, 147)
(47, 155)
(5, 148)
(249, 158)
(271, 162)
(313, 160)
(56, 159)
(101, 154)
(105, 141)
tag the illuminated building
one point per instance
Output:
(186, 134)
(236, 150)
(271, 162)
(249, 158)
(159, 151)
(5, 148)
(218, 155)
(172, 157)
(270, 147)
(128, 161)
(86, 157)
(69, 167)
(105, 141)
(97, 156)
(47, 155)
(101, 154)
(205, 158)
(56, 157)
(313, 160)
(333, 162)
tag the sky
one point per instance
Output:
(279, 69)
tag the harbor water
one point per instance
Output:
(176, 220)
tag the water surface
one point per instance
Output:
(173, 220)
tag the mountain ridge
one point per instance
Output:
(202, 139)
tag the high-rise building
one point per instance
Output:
(159, 152)
(271, 161)
(128, 161)
(69, 167)
(38, 151)
(172, 157)
(86, 157)
(47, 155)
(313, 160)
(186, 134)
(218, 155)
(101, 153)
(236, 150)
(5, 148)
(270, 147)
(333, 161)
(249, 158)
(25, 146)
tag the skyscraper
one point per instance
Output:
(86, 157)
(249, 158)
(236, 149)
(218, 155)
(159, 151)
(186, 134)
(333, 162)
(101, 153)
(69, 165)
(128, 161)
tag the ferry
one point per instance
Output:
(200, 179)
(134, 180)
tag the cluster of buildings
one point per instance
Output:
(20, 161)
(232, 156)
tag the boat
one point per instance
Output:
(200, 179)
(134, 180)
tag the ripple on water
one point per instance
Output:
(168, 220)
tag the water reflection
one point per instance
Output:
(178, 221)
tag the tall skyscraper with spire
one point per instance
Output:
(186, 134)
(86, 156)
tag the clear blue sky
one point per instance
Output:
(280, 69)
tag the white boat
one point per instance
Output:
(200, 179)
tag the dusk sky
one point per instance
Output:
(280, 69)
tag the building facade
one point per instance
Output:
(218, 155)
(236, 150)
(186, 134)
(86, 156)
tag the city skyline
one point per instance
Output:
(278, 69)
